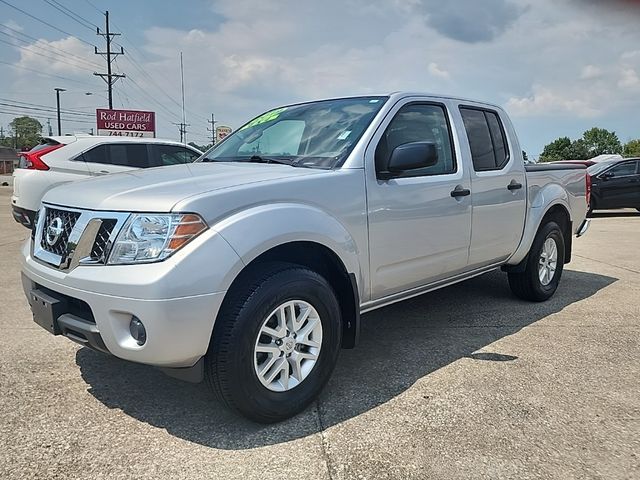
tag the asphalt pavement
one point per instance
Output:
(466, 382)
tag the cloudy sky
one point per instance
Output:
(557, 66)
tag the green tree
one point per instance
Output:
(599, 141)
(25, 132)
(578, 151)
(632, 148)
(556, 150)
(202, 148)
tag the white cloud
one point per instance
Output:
(436, 71)
(629, 78)
(544, 102)
(590, 72)
(68, 55)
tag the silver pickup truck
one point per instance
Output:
(250, 268)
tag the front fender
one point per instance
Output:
(256, 230)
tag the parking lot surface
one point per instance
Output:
(465, 382)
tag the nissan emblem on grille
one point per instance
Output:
(54, 231)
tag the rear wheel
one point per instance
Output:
(275, 342)
(540, 279)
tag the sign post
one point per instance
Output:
(126, 123)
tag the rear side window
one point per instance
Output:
(126, 155)
(163, 155)
(487, 140)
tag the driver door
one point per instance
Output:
(419, 232)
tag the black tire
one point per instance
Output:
(527, 285)
(229, 364)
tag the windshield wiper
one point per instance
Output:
(263, 159)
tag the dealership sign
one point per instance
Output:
(222, 133)
(126, 123)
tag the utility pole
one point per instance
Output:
(58, 90)
(212, 129)
(182, 128)
(49, 126)
(184, 120)
(109, 77)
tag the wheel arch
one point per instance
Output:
(557, 211)
(324, 261)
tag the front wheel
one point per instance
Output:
(275, 342)
(543, 269)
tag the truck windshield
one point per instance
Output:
(316, 134)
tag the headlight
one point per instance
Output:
(150, 238)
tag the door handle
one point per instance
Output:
(459, 191)
(514, 185)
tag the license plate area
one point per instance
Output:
(46, 310)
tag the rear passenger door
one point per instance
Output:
(116, 157)
(165, 155)
(498, 186)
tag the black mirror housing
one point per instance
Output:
(413, 155)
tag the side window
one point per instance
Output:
(487, 141)
(624, 169)
(281, 139)
(171, 155)
(418, 123)
(129, 155)
(97, 154)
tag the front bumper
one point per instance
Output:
(178, 330)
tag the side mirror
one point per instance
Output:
(411, 156)
(608, 175)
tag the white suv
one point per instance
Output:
(65, 159)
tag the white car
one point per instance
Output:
(65, 159)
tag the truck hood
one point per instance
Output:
(160, 189)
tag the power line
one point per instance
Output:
(41, 47)
(20, 113)
(48, 56)
(78, 18)
(44, 74)
(44, 22)
(46, 109)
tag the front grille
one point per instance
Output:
(67, 221)
(100, 245)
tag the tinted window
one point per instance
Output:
(497, 136)
(97, 154)
(486, 139)
(171, 155)
(126, 155)
(624, 169)
(418, 123)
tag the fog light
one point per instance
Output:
(138, 332)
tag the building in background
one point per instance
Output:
(8, 160)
